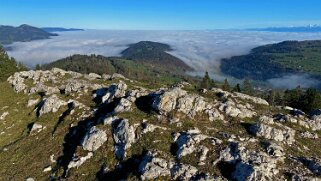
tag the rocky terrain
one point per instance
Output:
(63, 125)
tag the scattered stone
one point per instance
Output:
(51, 104)
(113, 91)
(32, 102)
(78, 161)
(150, 128)
(187, 142)
(124, 105)
(47, 169)
(36, 128)
(124, 136)
(94, 139)
(4, 115)
(152, 167)
(310, 135)
(183, 172)
(275, 150)
(52, 158)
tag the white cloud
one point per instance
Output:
(294, 80)
(202, 50)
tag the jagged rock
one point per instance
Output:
(226, 94)
(214, 114)
(152, 167)
(178, 100)
(255, 100)
(36, 128)
(275, 150)
(92, 76)
(51, 104)
(310, 135)
(183, 172)
(187, 142)
(78, 161)
(315, 122)
(166, 102)
(237, 109)
(32, 102)
(94, 139)
(203, 150)
(113, 91)
(4, 115)
(269, 132)
(249, 165)
(109, 120)
(124, 136)
(74, 86)
(123, 105)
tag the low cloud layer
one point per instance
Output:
(200, 49)
(294, 80)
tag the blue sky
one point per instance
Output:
(160, 14)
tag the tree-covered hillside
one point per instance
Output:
(275, 60)
(8, 65)
(23, 33)
(155, 54)
(109, 65)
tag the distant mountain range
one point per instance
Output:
(310, 28)
(60, 29)
(23, 33)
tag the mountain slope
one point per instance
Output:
(23, 33)
(155, 54)
(61, 125)
(276, 60)
(109, 65)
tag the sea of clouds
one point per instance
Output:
(202, 50)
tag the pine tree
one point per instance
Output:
(247, 87)
(237, 88)
(271, 97)
(226, 86)
(38, 67)
(205, 84)
(311, 100)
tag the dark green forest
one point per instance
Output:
(276, 60)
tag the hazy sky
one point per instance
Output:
(160, 14)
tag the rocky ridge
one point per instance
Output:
(118, 128)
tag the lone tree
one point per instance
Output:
(226, 85)
(247, 87)
(237, 88)
(311, 100)
(207, 82)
